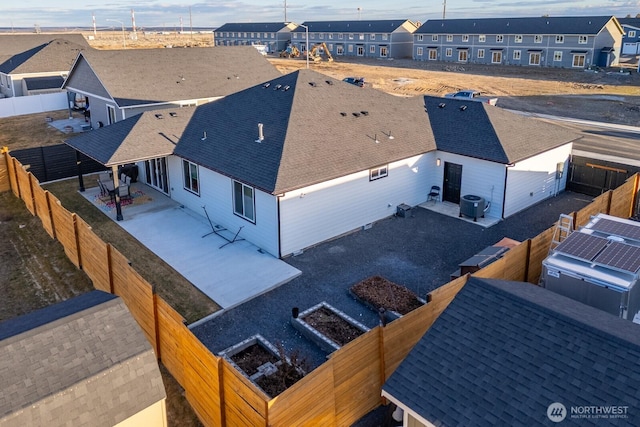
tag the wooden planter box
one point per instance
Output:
(389, 314)
(267, 368)
(326, 343)
(276, 371)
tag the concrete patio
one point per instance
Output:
(229, 273)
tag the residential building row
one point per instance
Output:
(568, 42)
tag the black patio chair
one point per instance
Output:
(434, 193)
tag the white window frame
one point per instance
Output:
(480, 53)
(361, 36)
(242, 210)
(631, 33)
(385, 36)
(419, 51)
(557, 56)
(350, 36)
(449, 37)
(372, 37)
(419, 37)
(517, 38)
(559, 39)
(372, 48)
(350, 48)
(496, 57)
(340, 36)
(537, 38)
(575, 57)
(111, 114)
(330, 36)
(448, 52)
(379, 172)
(583, 39)
(482, 38)
(433, 54)
(339, 49)
(517, 55)
(499, 38)
(188, 170)
(384, 51)
(534, 55)
(465, 38)
(434, 37)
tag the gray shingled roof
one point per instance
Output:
(84, 361)
(491, 133)
(379, 26)
(632, 22)
(580, 25)
(149, 135)
(55, 55)
(12, 44)
(502, 352)
(268, 27)
(147, 76)
(307, 140)
(40, 83)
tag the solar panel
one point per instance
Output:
(616, 228)
(582, 246)
(621, 256)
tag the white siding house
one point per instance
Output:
(320, 212)
(260, 167)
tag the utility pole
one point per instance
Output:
(133, 25)
(285, 11)
(444, 9)
(93, 17)
(190, 23)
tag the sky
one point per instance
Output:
(201, 13)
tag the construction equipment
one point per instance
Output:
(290, 52)
(315, 54)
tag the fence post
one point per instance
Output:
(383, 369)
(156, 323)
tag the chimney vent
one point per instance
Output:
(260, 133)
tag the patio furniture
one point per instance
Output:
(103, 189)
(124, 191)
(104, 176)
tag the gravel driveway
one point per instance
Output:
(419, 252)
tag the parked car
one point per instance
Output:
(472, 95)
(358, 81)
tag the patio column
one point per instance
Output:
(79, 165)
(116, 184)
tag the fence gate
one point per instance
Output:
(53, 162)
(594, 176)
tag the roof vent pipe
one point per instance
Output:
(260, 134)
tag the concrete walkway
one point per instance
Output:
(229, 274)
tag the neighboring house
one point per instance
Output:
(498, 155)
(372, 39)
(84, 361)
(569, 42)
(304, 158)
(513, 354)
(118, 84)
(631, 38)
(275, 35)
(32, 64)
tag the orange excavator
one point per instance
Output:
(316, 55)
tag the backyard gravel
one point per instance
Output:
(420, 252)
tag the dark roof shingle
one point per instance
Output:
(152, 76)
(490, 133)
(83, 361)
(580, 25)
(502, 352)
(315, 129)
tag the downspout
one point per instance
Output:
(504, 192)
(278, 215)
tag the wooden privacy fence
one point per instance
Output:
(337, 393)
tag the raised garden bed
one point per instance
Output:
(378, 293)
(327, 326)
(265, 364)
